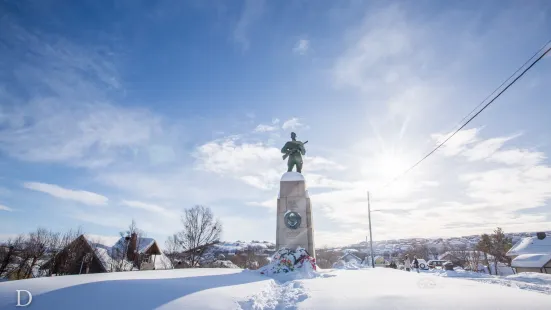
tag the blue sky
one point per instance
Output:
(131, 109)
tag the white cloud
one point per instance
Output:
(510, 189)
(255, 164)
(66, 118)
(466, 143)
(265, 128)
(270, 203)
(120, 220)
(458, 143)
(317, 163)
(252, 11)
(88, 135)
(292, 124)
(5, 208)
(145, 206)
(518, 156)
(81, 196)
(231, 155)
(384, 36)
(485, 149)
(301, 47)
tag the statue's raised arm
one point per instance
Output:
(294, 150)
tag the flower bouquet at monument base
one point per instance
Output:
(289, 261)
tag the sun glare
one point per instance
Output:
(387, 165)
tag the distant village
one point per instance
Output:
(436, 246)
(43, 254)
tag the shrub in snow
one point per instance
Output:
(285, 261)
(220, 264)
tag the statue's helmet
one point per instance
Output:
(293, 135)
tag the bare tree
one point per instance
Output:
(172, 248)
(473, 260)
(8, 254)
(419, 250)
(433, 252)
(253, 260)
(40, 242)
(200, 230)
(325, 258)
(32, 252)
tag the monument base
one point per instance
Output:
(294, 214)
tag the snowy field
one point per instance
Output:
(377, 288)
(537, 282)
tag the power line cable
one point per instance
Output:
(503, 83)
(480, 111)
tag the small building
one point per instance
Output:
(79, 256)
(532, 263)
(540, 244)
(144, 253)
(349, 258)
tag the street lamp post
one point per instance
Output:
(370, 234)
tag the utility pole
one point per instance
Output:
(370, 234)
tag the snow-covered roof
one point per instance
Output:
(232, 247)
(351, 256)
(531, 245)
(104, 254)
(350, 251)
(531, 260)
(143, 244)
(104, 258)
(292, 176)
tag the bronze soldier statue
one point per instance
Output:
(294, 150)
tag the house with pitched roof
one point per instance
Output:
(532, 254)
(83, 255)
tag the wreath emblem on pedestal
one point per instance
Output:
(292, 220)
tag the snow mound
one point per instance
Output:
(287, 261)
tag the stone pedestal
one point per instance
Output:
(294, 214)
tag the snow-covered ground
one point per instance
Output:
(377, 288)
(538, 282)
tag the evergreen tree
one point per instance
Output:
(485, 246)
